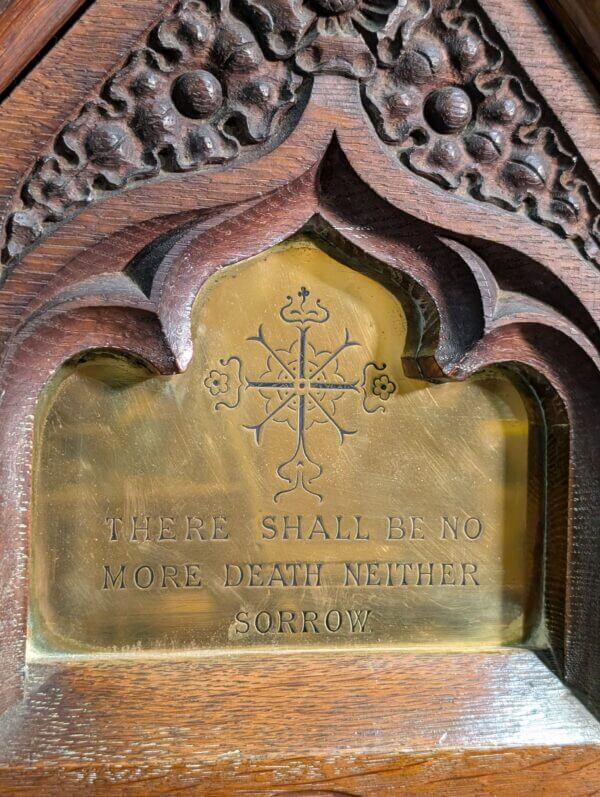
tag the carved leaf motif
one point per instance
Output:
(281, 26)
(442, 98)
(337, 48)
(197, 92)
(402, 24)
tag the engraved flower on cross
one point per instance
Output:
(301, 386)
(217, 382)
(383, 387)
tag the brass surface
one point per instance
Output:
(418, 502)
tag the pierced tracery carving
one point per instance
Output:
(216, 77)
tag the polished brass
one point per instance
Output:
(293, 488)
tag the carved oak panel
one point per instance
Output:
(419, 145)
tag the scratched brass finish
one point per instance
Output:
(419, 522)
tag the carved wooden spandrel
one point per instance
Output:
(435, 81)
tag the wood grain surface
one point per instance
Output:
(26, 26)
(476, 724)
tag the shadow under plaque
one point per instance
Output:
(292, 489)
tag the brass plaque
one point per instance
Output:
(292, 489)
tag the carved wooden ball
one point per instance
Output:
(445, 153)
(197, 94)
(146, 84)
(466, 49)
(448, 110)
(104, 144)
(500, 109)
(400, 104)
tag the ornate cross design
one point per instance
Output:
(300, 386)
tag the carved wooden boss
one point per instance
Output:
(300, 362)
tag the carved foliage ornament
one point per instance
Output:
(198, 91)
(215, 77)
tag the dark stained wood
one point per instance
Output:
(330, 105)
(26, 26)
(91, 205)
(580, 19)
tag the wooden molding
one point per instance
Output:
(26, 26)
(381, 724)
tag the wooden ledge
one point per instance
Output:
(382, 723)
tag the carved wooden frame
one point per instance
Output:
(114, 229)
